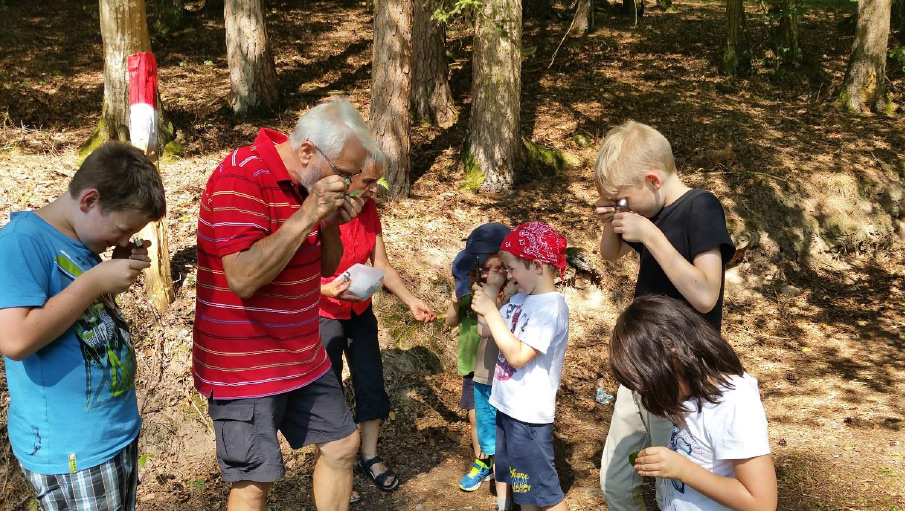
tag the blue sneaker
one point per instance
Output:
(480, 472)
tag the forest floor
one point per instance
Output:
(812, 194)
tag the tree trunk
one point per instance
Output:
(391, 84)
(252, 74)
(736, 54)
(431, 97)
(864, 87)
(124, 30)
(494, 147)
(785, 36)
(584, 17)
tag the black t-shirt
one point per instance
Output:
(693, 224)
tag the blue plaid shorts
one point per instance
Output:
(109, 486)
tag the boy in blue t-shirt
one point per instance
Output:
(70, 364)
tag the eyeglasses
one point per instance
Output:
(345, 175)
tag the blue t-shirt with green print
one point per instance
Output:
(72, 403)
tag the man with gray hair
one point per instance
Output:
(267, 230)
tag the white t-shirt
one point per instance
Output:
(529, 392)
(733, 429)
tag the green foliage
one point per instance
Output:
(897, 54)
(198, 484)
(143, 460)
(33, 505)
(454, 9)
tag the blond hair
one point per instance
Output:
(628, 152)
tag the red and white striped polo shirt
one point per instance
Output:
(269, 343)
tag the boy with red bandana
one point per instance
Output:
(531, 332)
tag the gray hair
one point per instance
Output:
(379, 157)
(329, 126)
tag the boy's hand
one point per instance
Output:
(632, 226)
(661, 462)
(116, 275)
(131, 251)
(496, 279)
(482, 303)
(605, 209)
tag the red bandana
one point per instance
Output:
(537, 240)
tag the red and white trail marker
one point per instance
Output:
(143, 101)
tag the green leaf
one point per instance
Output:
(383, 182)
(143, 459)
(632, 457)
(355, 193)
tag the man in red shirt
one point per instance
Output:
(268, 229)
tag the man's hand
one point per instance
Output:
(116, 275)
(421, 311)
(482, 303)
(605, 209)
(632, 226)
(349, 209)
(339, 289)
(325, 197)
(661, 462)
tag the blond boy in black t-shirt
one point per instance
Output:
(680, 234)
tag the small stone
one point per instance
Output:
(790, 291)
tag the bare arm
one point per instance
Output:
(699, 282)
(452, 311)
(752, 489)
(28, 329)
(249, 270)
(516, 352)
(331, 249)
(612, 246)
(392, 281)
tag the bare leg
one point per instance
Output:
(474, 434)
(333, 473)
(370, 430)
(248, 496)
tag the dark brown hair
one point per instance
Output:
(125, 180)
(655, 337)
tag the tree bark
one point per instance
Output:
(124, 30)
(864, 86)
(736, 54)
(252, 74)
(391, 84)
(584, 17)
(431, 96)
(785, 37)
(494, 146)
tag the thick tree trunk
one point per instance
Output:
(864, 87)
(785, 36)
(124, 30)
(736, 54)
(494, 146)
(252, 74)
(584, 17)
(391, 85)
(431, 97)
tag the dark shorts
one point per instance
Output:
(248, 448)
(524, 459)
(466, 402)
(356, 337)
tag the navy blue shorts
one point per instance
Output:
(466, 402)
(524, 460)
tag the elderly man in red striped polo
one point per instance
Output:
(267, 231)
